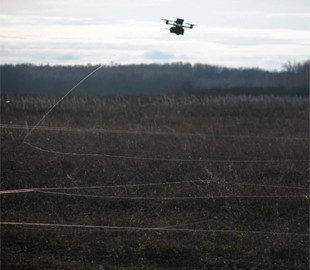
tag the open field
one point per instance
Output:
(161, 182)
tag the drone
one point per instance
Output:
(178, 27)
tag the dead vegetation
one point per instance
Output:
(254, 152)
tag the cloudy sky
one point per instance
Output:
(234, 33)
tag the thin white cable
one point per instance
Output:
(175, 198)
(125, 228)
(151, 184)
(173, 183)
(166, 159)
(47, 113)
(142, 132)
(25, 190)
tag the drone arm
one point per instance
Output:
(168, 21)
(190, 26)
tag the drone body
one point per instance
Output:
(178, 26)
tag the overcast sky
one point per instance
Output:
(234, 33)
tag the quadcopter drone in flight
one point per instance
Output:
(178, 26)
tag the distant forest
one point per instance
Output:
(175, 78)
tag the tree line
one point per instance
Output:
(175, 78)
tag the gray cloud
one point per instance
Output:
(158, 55)
(67, 57)
(229, 32)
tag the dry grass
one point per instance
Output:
(54, 248)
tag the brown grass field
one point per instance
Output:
(178, 182)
